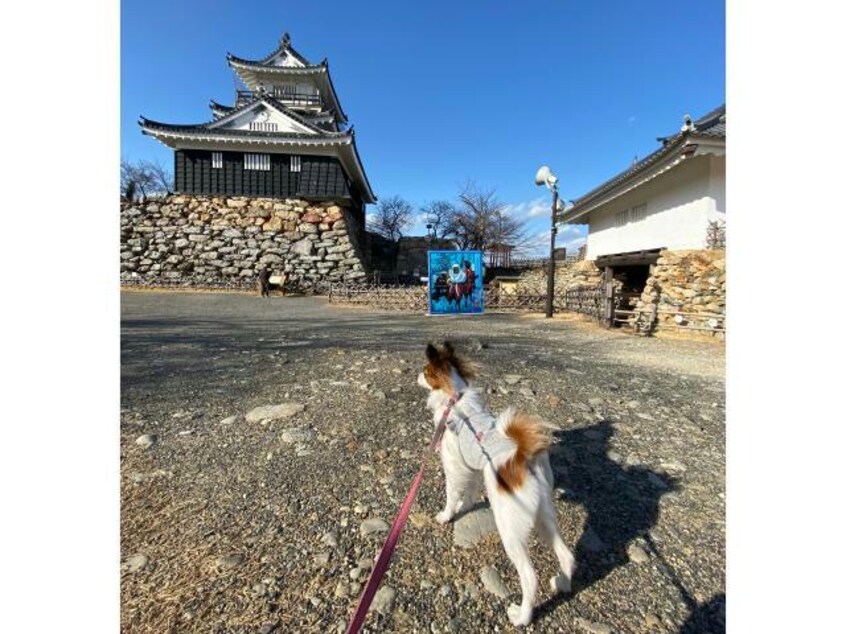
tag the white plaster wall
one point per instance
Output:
(242, 122)
(718, 187)
(679, 205)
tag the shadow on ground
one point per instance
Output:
(708, 618)
(622, 504)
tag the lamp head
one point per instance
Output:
(544, 176)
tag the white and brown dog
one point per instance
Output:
(509, 453)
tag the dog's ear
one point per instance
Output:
(432, 353)
(450, 351)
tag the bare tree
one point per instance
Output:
(160, 176)
(143, 178)
(392, 216)
(438, 214)
(481, 220)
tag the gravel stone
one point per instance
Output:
(299, 434)
(383, 602)
(593, 627)
(273, 412)
(637, 554)
(136, 562)
(147, 440)
(230, 561)
(470, 527)
(373, 525)
(493, 582)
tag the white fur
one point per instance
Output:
(515, 513)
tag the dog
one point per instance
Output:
(508, 453)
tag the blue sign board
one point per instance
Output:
(455, 282)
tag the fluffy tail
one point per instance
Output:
(529, 437)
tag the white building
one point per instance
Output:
(665, 201)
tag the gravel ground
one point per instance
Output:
(235, 519)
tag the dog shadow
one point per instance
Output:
(707, 617)
(622, 502)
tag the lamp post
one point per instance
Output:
(545, 176)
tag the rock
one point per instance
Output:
(493, 582)
(373, 525)
(527, 392)
(330, 539)
(267, 628)
(512, 379)
(136, 562)
(147, 440)
(273, 412)
(229, 561)
(637, 554)
(553, 401)
(322, 558)
(383, 602)
(651, 620)
(470, 527)
(595, 401)
(593, 627)
(342, 590)
(297, 434)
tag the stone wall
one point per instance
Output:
(691, 282)
(567, 275)
(220, 241)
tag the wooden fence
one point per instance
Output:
(597, 302)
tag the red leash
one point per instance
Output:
(381, 565)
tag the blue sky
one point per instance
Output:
(445, 92)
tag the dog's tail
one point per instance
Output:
(529, 439)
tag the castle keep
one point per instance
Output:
(274, 179)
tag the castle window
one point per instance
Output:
(621, 218)
(257, 162)
(263, 126)
(296, 164)
(637, 213)
(217, 160)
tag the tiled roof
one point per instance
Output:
(284, 45)
(262, 65)
(233, 112)
(711, 125)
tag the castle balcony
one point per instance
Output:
(288, 97)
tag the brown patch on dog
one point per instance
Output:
(530, 439)
(438, 370)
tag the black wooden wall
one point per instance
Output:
(321, 177)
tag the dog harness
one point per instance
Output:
(478, 439)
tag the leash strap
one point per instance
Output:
(384, 559)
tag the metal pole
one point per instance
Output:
(550, 274)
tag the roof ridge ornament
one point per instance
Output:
(688, 126)
(285, 41)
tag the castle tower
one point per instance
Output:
(284, 137)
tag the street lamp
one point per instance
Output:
(545, 176)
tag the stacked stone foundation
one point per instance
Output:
(206, 241)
